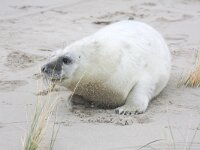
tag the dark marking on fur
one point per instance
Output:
(97, 92)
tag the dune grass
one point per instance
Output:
(193, 77)
(42, 114)
(38, 125)
(36, 131)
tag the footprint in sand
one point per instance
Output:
(11, 85)
(176, 39)
(149, 4)
(173, 18)
(116, 16)
(19, 60)
(25, 7)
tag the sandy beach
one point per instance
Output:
(31, 30)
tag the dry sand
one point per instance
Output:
(31, 30)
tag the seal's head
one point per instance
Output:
(61, 66)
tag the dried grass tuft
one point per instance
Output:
(36, 131)
(193, 78)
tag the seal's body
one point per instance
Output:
(123, 65)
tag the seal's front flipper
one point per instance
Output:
(138, 98)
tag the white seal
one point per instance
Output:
(123, 66)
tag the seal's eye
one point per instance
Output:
(67, 60)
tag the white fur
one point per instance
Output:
(128, 57)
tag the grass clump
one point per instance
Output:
(38, 125)
(36, 131)
(193, 78)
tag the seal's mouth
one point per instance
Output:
(51, 75)
(52, 78)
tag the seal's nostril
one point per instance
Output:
(43, 69)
